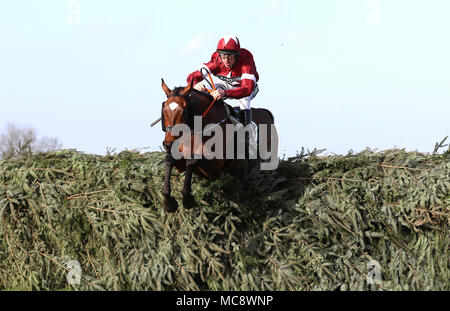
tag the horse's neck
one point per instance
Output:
(202, 102)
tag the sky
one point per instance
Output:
(338, 75)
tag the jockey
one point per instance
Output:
(234, 75)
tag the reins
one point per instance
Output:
(207, 109)
(213, 89)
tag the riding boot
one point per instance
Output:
(246, 118)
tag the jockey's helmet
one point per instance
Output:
(228, 44)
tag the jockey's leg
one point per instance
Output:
(246, 110)
(246, 118)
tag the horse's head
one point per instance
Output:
(175, 110)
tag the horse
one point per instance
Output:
(181, 106)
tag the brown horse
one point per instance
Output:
(181, 106)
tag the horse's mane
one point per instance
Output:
(207, 95)
(176, 92)
(192, 103)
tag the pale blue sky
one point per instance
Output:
(337, 74)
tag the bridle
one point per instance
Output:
(191, 110)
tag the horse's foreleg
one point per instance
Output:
(170, 204)
(188, 198)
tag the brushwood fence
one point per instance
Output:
(315, 223)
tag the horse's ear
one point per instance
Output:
(187, 89)
(165, 87)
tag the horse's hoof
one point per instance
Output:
(188, 201)
(170, 204)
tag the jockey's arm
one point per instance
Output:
(248, 83)
(196, 76)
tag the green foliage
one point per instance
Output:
(313, 224)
